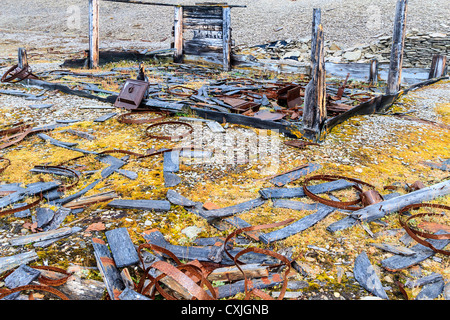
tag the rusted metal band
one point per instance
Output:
(173, 92)
(127, 117)
(19, 74)
(36, 288)
(70, 171)
(345, 205)
(28, 206)
(159, 137)
(11, 140)
(53, 282)
(416, 234)
(7, 165)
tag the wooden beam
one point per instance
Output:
(22, 58)
(93, 33)
(226, 36)
(398, 44)
(438, 66)
(317, 14)
(178, 33)
(315, 110)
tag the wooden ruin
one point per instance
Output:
(211, 38)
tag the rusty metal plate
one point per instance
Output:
(132, 94)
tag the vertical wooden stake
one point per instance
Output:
(178, 33)
(317, 15)
(373, 76)
(22, 58)
(226, 35)
(93, 33)
(438, 66)
(315, 109)
(398, 43)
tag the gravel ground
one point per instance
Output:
(64, 24)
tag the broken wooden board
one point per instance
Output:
(399, 262)
(122, 248)
(229, 211)
(431, 291)
(40, 236)
(394, 249)
(286, 178)
(232, 273)
(366, 276)
(381, 209)
(11, 262)
(274, 193)
(110, 274)
(150, 205)
(297, 226)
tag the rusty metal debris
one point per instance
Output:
(132, 94)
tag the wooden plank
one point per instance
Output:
(399, 262)
(178, 34)
(198, 23)
(365, 274)
(232, 273)
(202, 11)
(394, 249)
(229, 211)
(226, 37)
(373, 75)
(78, 194)
(215, 127)
(276, 193)
(93, 33)
(438, 66)
(151, 205)
(108, 270)
(381, 209)
(297, 226)
(316, 21)
(286, 178)
(40, 236)
(11, 262)
(314, 110)
(198, 46)
(22, 58)
(122, 248)
(177, 199)
(398, 44)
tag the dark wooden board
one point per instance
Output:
(122, 248)
(153, 205)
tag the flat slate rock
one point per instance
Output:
(431, 291)
(171, 161)
(171, 179)
(177, 199)
(22, 276)
(155, 205)
(21, 214)
(44, 216)
(41, 106)
(366, 276)
(129, 294)
(105, 117)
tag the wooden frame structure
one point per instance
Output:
(211, 27)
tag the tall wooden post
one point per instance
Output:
(398, 43)
(226, 36)
(317, 15)
(178, 34)
(93, 33)
(315, 110)
(438, 66)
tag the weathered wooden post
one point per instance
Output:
(226, 36)
(398, 43)
(178, 34)
(315, 110)
(317, 15)
(93, 33)
(373, 76)
(22, 58)
(438, 66)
